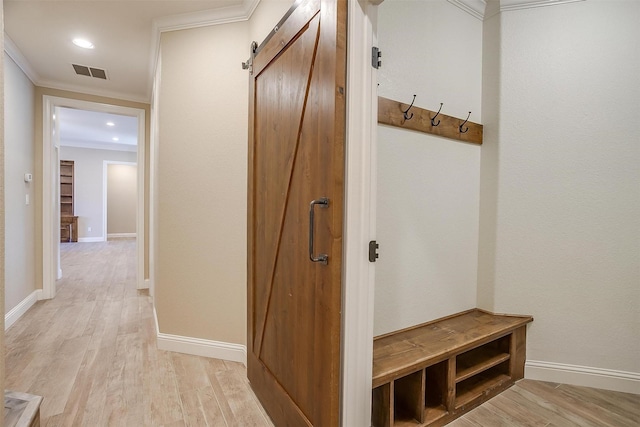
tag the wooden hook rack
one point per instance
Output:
(391, 113)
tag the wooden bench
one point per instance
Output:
(430, 374)
(21, 409)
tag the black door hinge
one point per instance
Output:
(376, 54)
(373, 251)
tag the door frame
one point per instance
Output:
(51, 181)
(105, 175)
(360, 215)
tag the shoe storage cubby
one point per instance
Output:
(430, 374)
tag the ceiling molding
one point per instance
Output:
(21, 61)
(507, 5)
(475, 8)
(187, 21)
(478, 8)
(90, 91)
(206, 18)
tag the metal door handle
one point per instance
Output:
(324, 203)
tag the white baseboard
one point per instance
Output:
(200, 347)
(16, 312)
(608, 379)
(90, 239)
(114, 235)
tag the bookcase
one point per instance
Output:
(68, 221)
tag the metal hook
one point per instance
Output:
(406, 116)
(433, 120)
(465, 131)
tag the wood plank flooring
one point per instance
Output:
(543, 404)
(91, 353)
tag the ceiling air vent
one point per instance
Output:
(83, 70)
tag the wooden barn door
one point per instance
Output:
(295, 214)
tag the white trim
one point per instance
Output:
(18, 57)
(193, 20)
(360, 186)
(507, 5)
(50, 208)
(16, 312)
(199, 346)
(116, 235)
(475, 8)
(155, 318)
(91, 239)
(50, 179)
(206, 18)
(204, 348)
(84, 90)
(586, 376)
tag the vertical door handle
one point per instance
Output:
(324, 203)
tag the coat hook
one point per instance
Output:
(433, 120)
(465, 131)
(407, 116)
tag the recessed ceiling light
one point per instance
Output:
(110, 124)
(85, 44)
(115, 138)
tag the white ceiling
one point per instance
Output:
(125, 33)
(89, 129)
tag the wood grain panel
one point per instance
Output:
(398, 354)
(297, 135)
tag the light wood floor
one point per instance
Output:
(543, 404)
(91, 352)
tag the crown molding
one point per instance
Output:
(478, 8)
(475, 8)
(507, 5)
(92, 91)
(21, 61)
(205, 18)
(187, 21)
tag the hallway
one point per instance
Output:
(91, 353)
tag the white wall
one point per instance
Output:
(19, 146)
(564, 211)
(428, 186)
(88, 186)
(122, 199)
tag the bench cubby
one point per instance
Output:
(432, 373)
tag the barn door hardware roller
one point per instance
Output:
(248, 65)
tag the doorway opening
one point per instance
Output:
(53, 109)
